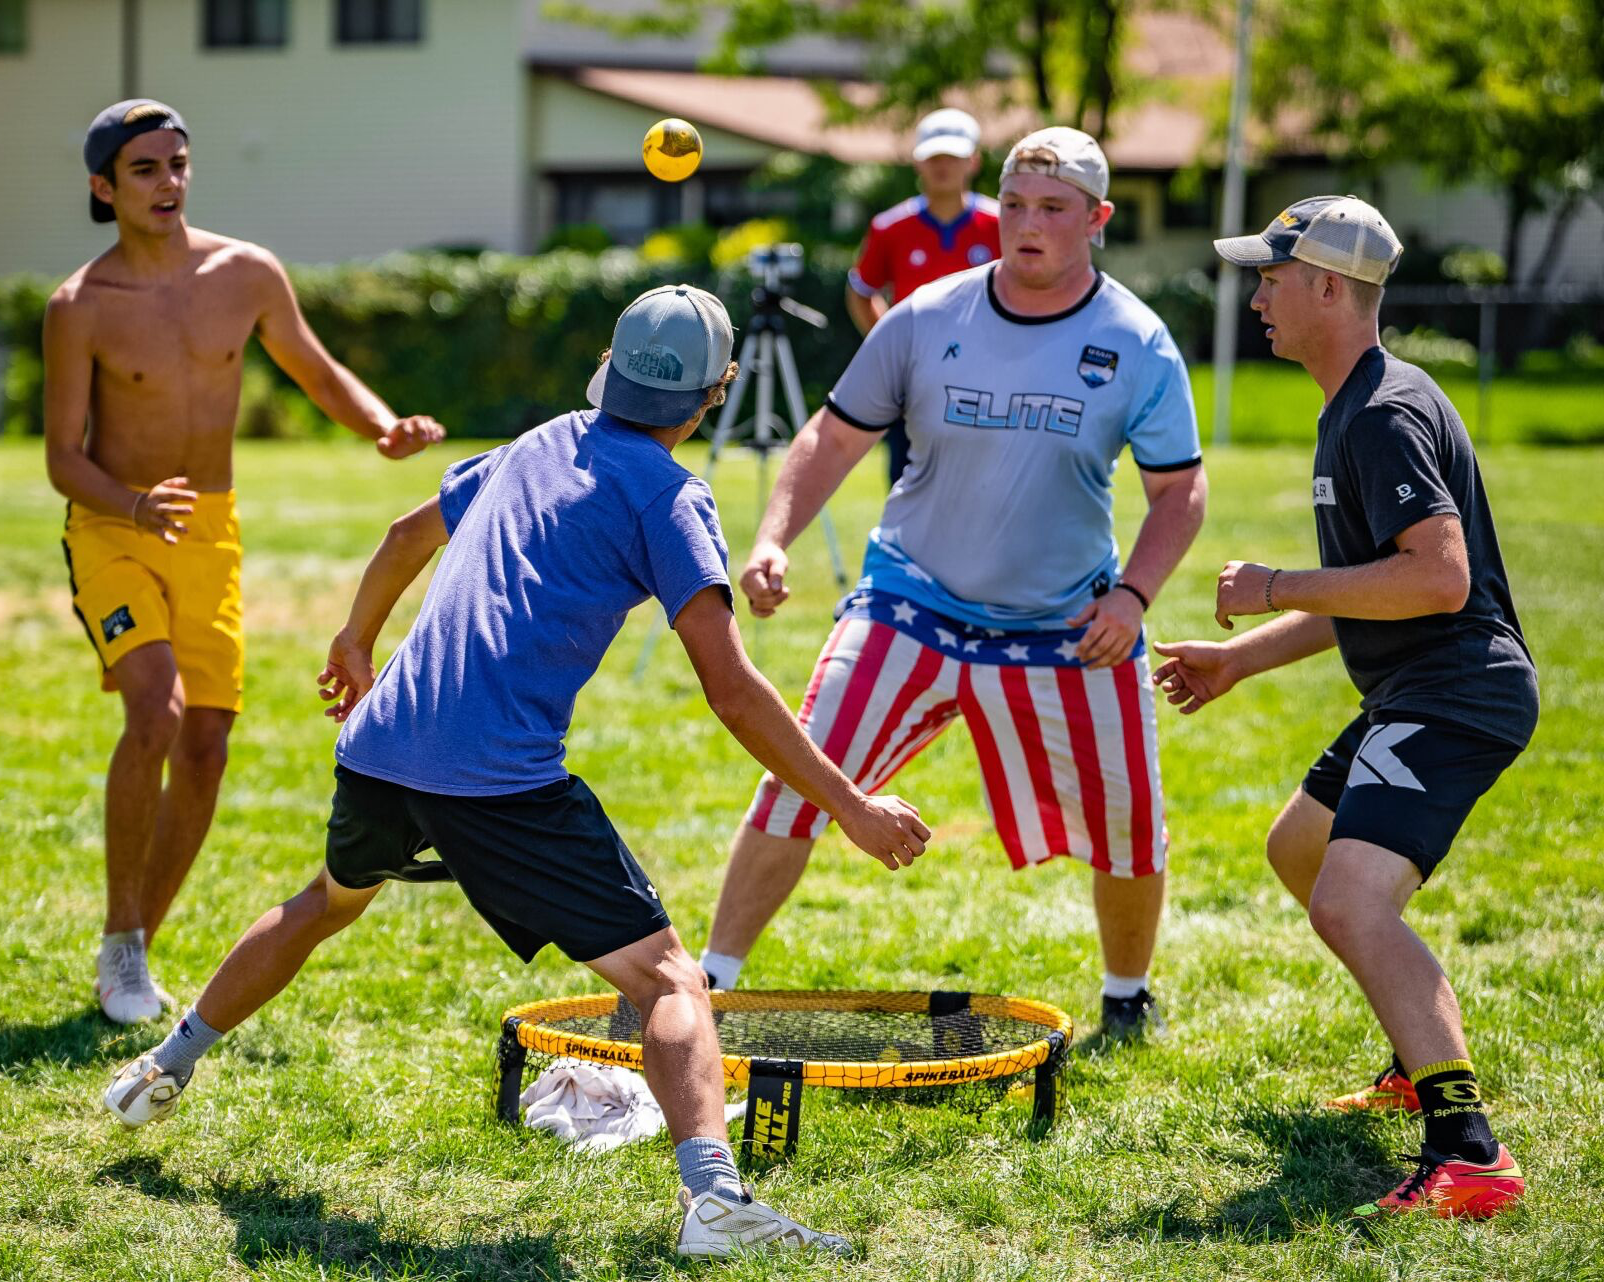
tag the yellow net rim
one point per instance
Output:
(527, 1022)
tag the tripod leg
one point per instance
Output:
(729, 417)
(792, 383)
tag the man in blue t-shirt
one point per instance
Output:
(992, 587)
(458, 744)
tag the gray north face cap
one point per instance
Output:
(116, 126)
(669, 347)
(1341, 234)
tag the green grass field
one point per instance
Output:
(346, 1132)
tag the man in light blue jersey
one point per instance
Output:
(992, 587)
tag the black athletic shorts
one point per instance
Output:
(1406, 782)
(542, 867)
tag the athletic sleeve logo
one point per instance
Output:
(1405, 493)
(1097, 365)
(116, 623)
(1323, 494)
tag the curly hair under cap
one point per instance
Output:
(714, 398)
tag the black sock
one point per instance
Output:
(1450, 1099)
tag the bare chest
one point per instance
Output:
(153, 339)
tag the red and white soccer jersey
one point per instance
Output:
(906, 247)
(1068, 755)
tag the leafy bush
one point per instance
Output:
(492, 344)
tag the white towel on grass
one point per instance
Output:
(595, 1107)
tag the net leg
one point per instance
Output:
(510, 1059)
(1045, 1107)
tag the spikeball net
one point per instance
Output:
(963, 1049)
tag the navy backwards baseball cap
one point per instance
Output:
(1341, 234)
(118, 125)
(670, 346)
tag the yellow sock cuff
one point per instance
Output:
(1443, 1066)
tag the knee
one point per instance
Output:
(153, 723)
(327, 907)
(674, 974)
(1335, 917)
(202, 755)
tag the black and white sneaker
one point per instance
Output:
(1128, 1018)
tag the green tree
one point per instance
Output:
(1505, 92)
(1062, 56)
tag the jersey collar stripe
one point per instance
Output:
(1017, 319)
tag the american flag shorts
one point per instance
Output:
(1068, 755)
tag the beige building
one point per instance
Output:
(332, 129)
(324, 129)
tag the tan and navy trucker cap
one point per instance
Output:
(1340, 234)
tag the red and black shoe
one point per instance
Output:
(1391, 1092)
(1453, 1186)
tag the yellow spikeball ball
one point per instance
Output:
(672, 150)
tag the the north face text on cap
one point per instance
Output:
(657, 362)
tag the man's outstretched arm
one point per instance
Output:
(816, 463)
(742, 698)
(345, 398)
(407, 547)
(1198, 672)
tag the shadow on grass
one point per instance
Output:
(275, 1224)
(74, 1040)
(1330, 1163)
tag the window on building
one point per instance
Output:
(379, 21)
(627, 205)
(1189, 201)
(13, 26)
(245, 24)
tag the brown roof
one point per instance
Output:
(1162, 127)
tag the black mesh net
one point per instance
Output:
(953, 1049)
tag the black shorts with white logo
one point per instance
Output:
(1406, 782)
(542, 867)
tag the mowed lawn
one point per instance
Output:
(347, 1130)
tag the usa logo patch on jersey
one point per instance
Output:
(1097, 365)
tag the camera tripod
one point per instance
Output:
(765, 352)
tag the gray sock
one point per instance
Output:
(191, 1038)
(708, 1166)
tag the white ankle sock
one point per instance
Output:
(110, 943)
(722, 969)
(1122, 986)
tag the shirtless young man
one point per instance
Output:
(142, 346)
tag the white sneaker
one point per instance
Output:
(123, 985)
(142, 1093)
(716, 1226)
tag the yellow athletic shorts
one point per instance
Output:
(129, 588)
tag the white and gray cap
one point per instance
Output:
(946, 132)
(670, 346)
(1341, 234)
(1076, 160)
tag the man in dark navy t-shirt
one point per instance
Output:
(1413, 594)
